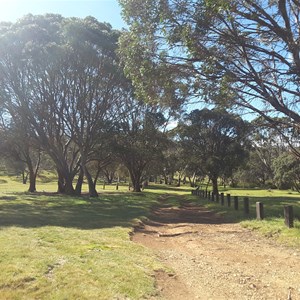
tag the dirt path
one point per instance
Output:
(214, 260)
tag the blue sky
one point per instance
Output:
(103, 10)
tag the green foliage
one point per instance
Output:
(286, 171)
(143, 58)
(209, 53)
(61, 81)
(214, 140)
(139, 138)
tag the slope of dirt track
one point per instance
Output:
(216, 260)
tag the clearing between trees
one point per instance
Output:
(211, 259)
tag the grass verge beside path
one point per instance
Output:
(56, 247)
(273, 224)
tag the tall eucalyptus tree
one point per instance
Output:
(61, 76)
(215, 141)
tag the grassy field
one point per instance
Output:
(59, 247)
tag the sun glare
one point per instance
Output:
(12, 10)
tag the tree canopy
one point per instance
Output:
(214, 140)
(62, 86)
(61, 77)
(235, 52)
(139, 139)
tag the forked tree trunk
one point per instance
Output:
(109, 176)
(33, 173)
(65, 183)
(92, 188)
(137, 186)
(135, 177)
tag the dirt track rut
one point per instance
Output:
(211, 259)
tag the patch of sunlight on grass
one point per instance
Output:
(56, 262)
(166, 189)
(62, 247)
(275, 228)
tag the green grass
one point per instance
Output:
(273, 224)
(58, 247)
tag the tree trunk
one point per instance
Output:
(79, 183)
(214, 181)
(60, 183)
(96, 178)
(136, 186)
(33, 172)
(65, 183)
(24, 177)
(32, 181)
(207, 184)
(135, 177)
(109, 177)
(69, 189)
(166, 179)
(92, 188)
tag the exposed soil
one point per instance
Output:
(211, 259)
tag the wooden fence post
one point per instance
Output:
(228, 200)
(246, 206)
(217, 197)
(222, 198)
(236, 202)
(288, 216)
(259, 211)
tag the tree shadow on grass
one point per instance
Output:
(185, 215)
(109, 210)
(120, 209)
